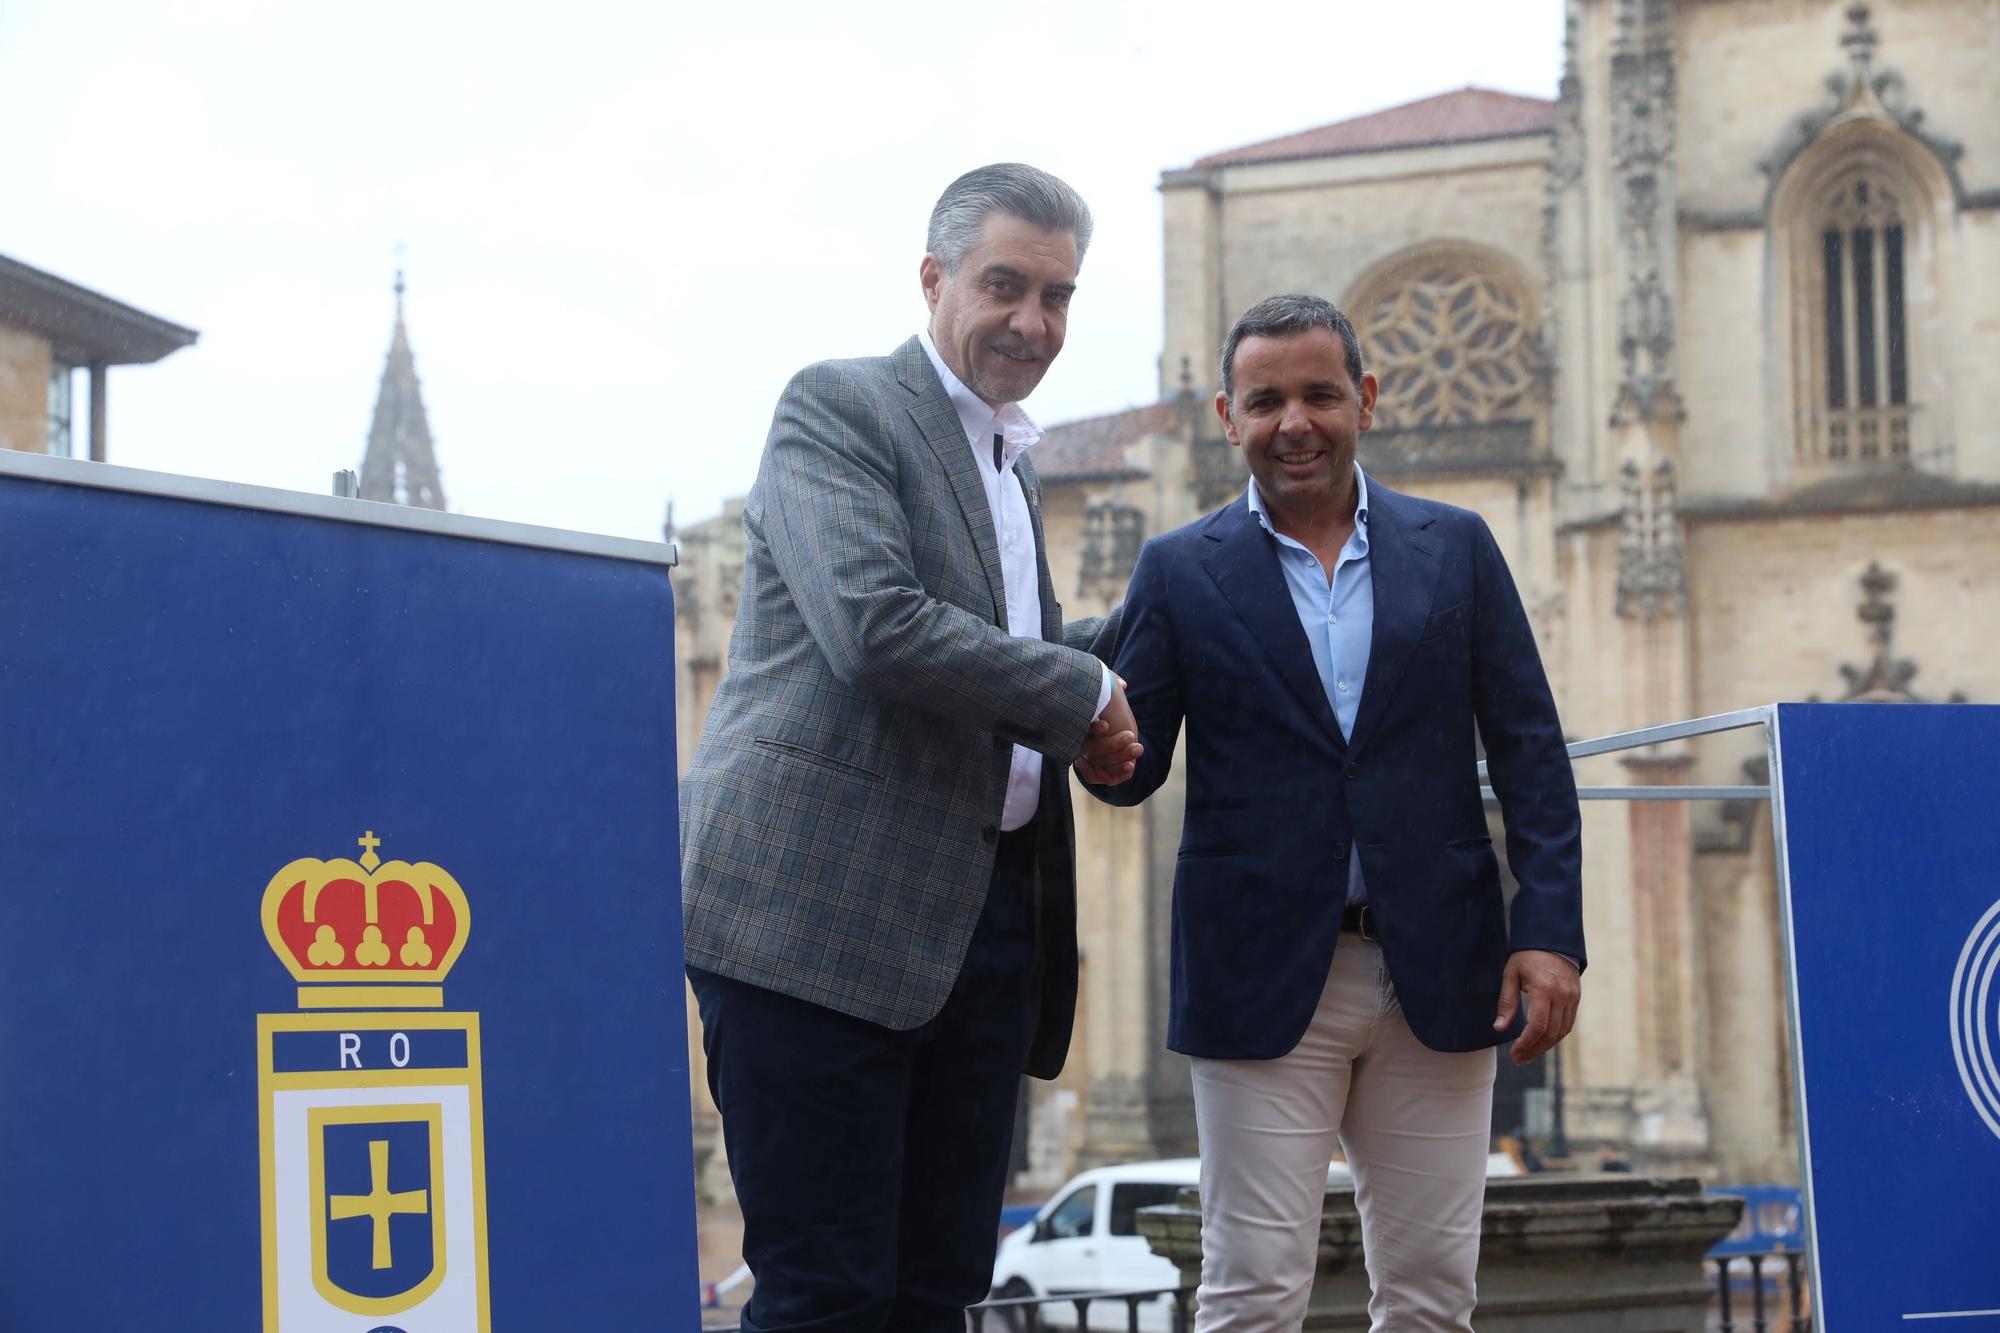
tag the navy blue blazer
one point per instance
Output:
(1277, 800)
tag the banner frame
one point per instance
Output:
(239, 495)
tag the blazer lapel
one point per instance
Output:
(1031, 491)
(1403, 562)
(1245, 567)
(938, 420)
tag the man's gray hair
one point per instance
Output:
(1288, 316)
(1012, 188)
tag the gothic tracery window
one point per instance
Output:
(1113, 532)
(1449, 345)
(1865, 371)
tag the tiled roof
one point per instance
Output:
(1457, 117)
(1093, 449)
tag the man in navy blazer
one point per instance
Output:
(1343, 958)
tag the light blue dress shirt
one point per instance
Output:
(1338, 617)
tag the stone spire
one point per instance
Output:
(400, 466)
(1859, 42)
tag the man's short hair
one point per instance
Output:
(1288, 316)
(1013, 188)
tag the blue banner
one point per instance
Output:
(1894, 902)
(1773, 1221)
(340, 964)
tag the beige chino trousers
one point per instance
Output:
(1414, 1124)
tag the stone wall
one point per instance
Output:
(1753, 81)
(24, 390)
(1778, 601)
(1239, 234)
(1750, 68)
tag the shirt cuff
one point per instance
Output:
(1104, 693)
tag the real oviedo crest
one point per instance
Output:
(374, 1172)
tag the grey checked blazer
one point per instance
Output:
(839, 819)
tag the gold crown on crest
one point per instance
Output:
(366, 933)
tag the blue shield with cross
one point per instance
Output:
(374, 1172)
(378, 1203)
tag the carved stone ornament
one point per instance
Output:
(1860, 89)
(1565, 170)
(1450, 346)
(1652, 575)
(1739, 819)
(1886, 678)
(1642, 154)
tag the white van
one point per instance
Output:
(1086, 1238)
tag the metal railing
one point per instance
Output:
(1751, 1293)
(1671, 731)
(1760, 1293)
(1115, 1312)
(1023, 1314)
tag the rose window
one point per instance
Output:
(1448, 348)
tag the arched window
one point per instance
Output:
(1855, 227)
(1452, 332)
(1864, 380)
(1450, 345)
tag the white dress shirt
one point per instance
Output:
(1014, 531)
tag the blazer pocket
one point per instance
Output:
(793, 753)
(1482, 840)
(1208, 853)
(1444, 622)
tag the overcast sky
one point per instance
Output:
(626, 226)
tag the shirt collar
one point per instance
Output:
(1256, 501)
(981, 422)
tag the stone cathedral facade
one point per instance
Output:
(1708, 339)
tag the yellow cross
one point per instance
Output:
(379, 1204)
(369, 842)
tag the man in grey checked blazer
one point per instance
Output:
(879, 897)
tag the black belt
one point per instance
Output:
(1359, 919)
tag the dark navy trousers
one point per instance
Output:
(870, 1163)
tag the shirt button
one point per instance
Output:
(1343, 687)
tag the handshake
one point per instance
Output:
(1111, 747)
